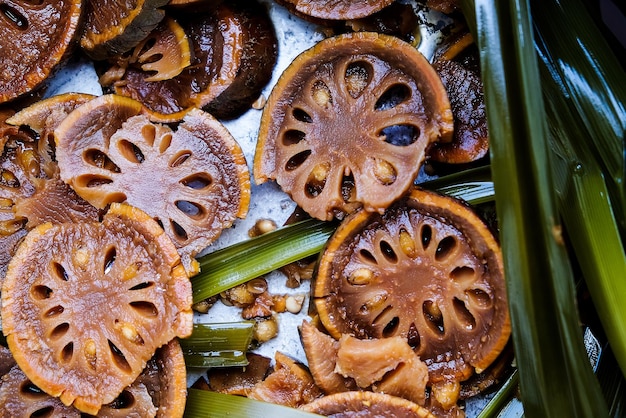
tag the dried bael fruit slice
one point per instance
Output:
(335, 10)
(35, 37)
(234, 49)
(429, 270)
(115, 26)
(194, 180)
(86, 305)
(159, 391)
(349, 122)
(458, 66)
(356, 404)
(42, 117)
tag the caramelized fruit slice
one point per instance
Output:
(34, 39)
(159, 391)
(429, 270)
(194, 180)
(115, 26)
(355, 404)
(86, 305)
(20, 170)
(42, 117)
(348, 124)
(234, 52)
(336, 10)
(458, 66)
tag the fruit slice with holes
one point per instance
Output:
(348, 124)
(86, 305)
(428, 269)
(159, 391)
(335, 10)
(35, 37)
(234, 52)
(363, 403)
(115, 26)
(194, 180)
(457, 63)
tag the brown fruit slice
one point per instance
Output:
(429, 270)
(234, 52)
(194, 180)
(34, 39)
(349, 122)
(86, 305)
(113, 27)
(370, 404)
(458, 66)
(159, 391)
(335, 10)
(43, 117)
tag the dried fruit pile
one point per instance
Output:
(106, 201)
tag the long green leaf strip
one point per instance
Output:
(586, 207)
(218, 344)
(205, 404)
(556, 378)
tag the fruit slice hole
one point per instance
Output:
(59, 331)
(125, 400)
(99, 159)
(400, 135)
(67, 353)
(142, 286)
(193, 210)
(179, 231)
(148, 132)
(14, 17)
(368, 256)
(131, 152)
(479, 298)
(463, 314)
(293, 137)
(30, 390)
(109, 259)
(59, 271)
(358, 77)
(197, 181)
(426, 234)
(119, 359)
(180, 158)
(445, 248)
(41, 292)
(297, 160)
(433, 316)
(317, 179)
(302, 115)
(145, 309)
(54, 311)
(388, 252)
(462, 274)
(392, 97)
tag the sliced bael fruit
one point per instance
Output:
(86, 305)
(349, 122)
(30, 190)
(162, 55)
(335, 10)
(159, 391)
(458, 66)
(42, 118)
(115, 26)
(194, 180)
(429, 270)
(19, 171)
(370, 404)
(35, 37)
(234, 49)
